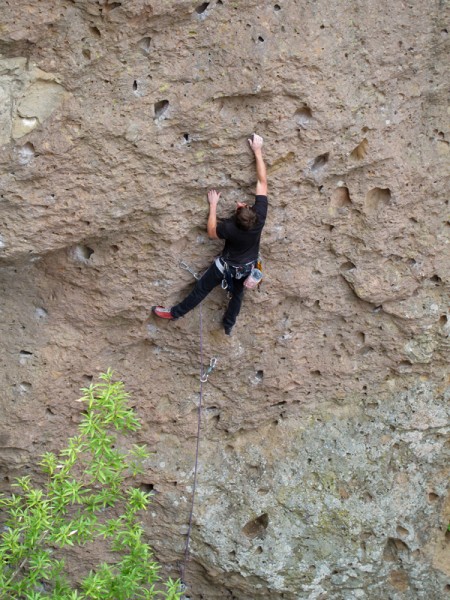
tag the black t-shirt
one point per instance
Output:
(241, 246)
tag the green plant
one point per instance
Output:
(85, 500)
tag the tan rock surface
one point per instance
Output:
(324, 454)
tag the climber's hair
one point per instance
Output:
(246, 218)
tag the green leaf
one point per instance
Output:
(48, 463)
(23, 483)
(173, 590)
(34, 596)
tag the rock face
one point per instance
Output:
(324, 451)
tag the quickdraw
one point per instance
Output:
(212, 366)
(186, 267)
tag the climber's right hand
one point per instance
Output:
(213, 197)
(256, 142)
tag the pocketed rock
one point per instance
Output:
(324, 450)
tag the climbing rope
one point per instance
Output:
(204, 374)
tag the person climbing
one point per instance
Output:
(242, 234)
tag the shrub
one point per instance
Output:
(85, 500)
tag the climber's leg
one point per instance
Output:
(204, 285)
(234, 306)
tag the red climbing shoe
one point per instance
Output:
(163, 313)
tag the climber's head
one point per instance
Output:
(246, 217)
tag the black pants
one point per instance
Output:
(211, 279)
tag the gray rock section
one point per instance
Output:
(324, 452)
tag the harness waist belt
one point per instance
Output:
(220, 263)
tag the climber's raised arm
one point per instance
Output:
(256, 143)
(213, 199)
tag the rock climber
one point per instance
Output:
(242, 234)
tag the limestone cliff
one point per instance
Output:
(324, 454)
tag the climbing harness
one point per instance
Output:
(231, 272)
(204, 374)
(251, 272)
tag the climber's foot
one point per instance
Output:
(162, 313)
(227, 329)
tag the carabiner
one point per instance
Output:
(212, 365)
